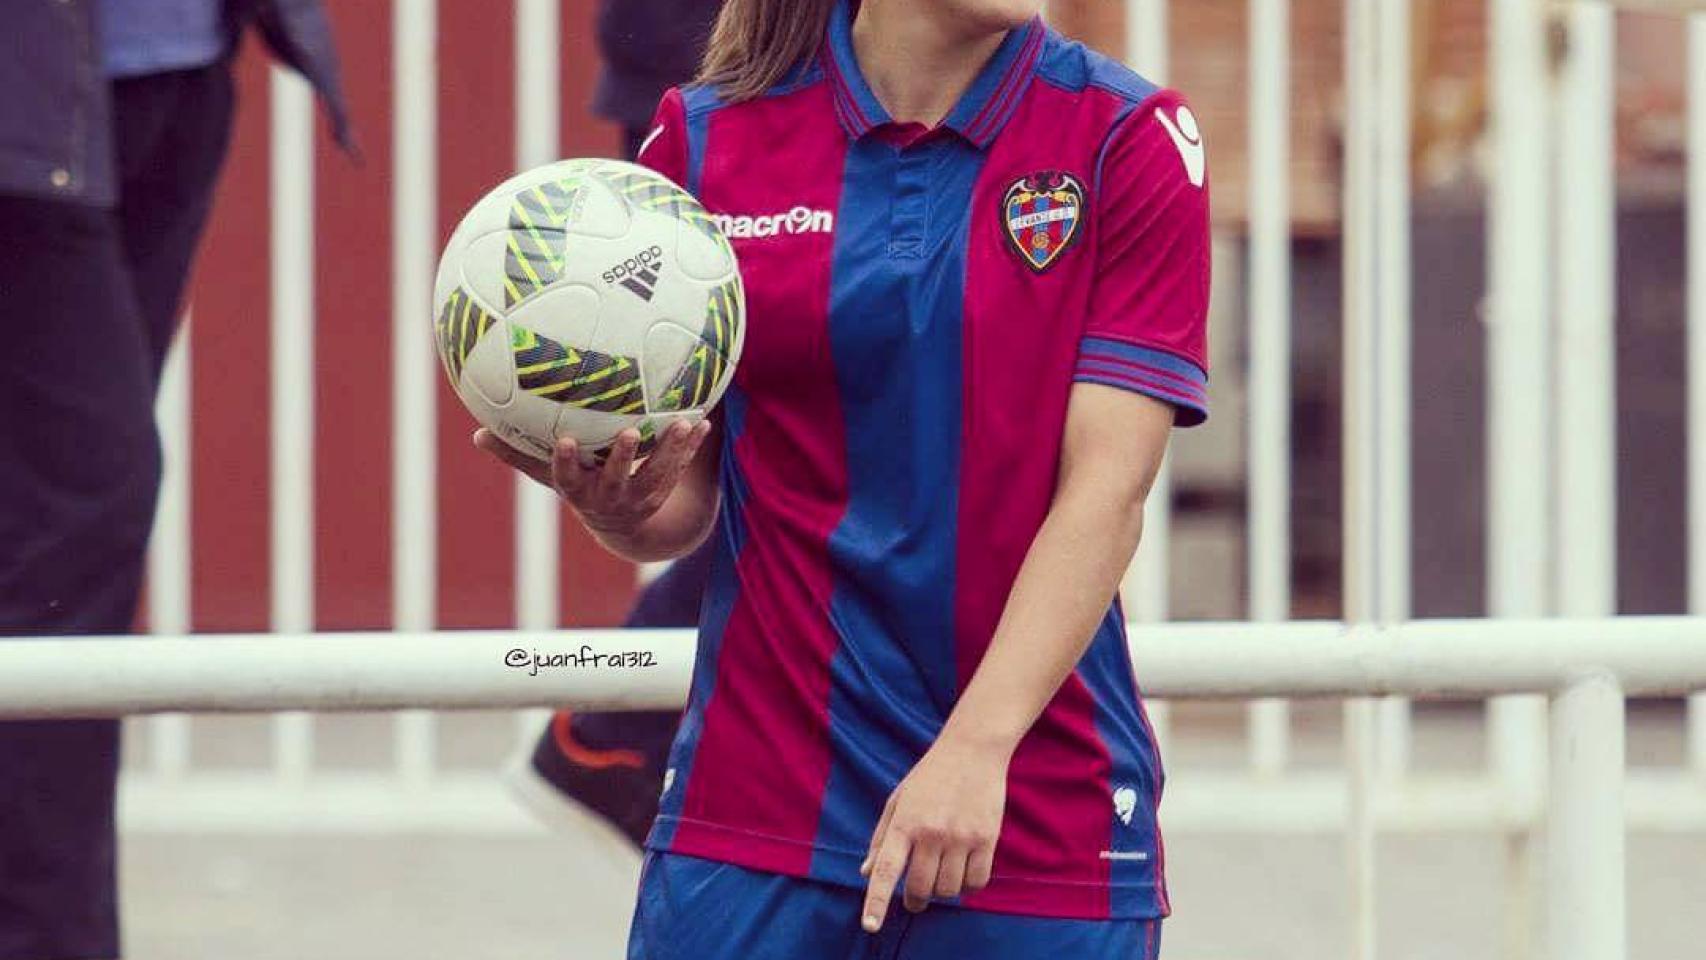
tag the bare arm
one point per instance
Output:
(1109, 458)
(1111, 451)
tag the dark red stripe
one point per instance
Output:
(476, 151)
(772, 683)
(229, 440)
(352, 292)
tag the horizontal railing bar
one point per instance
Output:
(107, 676)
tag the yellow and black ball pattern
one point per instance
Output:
(583, 378)
(537, 241)
(460, 325)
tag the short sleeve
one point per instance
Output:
(1146, 330)
(665, 147)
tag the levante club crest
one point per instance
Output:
(1042, 213)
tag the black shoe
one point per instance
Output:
(616, 785)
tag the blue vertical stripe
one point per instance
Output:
(897, 288)
(1106, 671)
(697, 103)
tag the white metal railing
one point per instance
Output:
(1586, 667)
(210, 673)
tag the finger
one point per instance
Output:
(663, 468)
(979, 866)
(926, 862)
(488, 441)
(877, 837)
(950, 876)
(568, 474)
(886, 868)
(619, 467)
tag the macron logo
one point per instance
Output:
(796, 221)
(1188, 138)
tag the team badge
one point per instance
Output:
(1042, 213)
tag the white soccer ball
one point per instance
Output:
(584, 297)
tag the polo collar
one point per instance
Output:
(982, 111)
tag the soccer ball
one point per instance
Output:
(585, 297)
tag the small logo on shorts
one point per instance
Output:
(1125, 804)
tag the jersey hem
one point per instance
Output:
(1007, 894)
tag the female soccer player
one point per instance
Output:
(976, 259)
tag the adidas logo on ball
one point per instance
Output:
(638, 273)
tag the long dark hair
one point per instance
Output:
(758, 42)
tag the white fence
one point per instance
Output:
(1585, 666)
(1551, 509)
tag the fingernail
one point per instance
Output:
(872, 924)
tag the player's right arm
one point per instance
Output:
(659, 511)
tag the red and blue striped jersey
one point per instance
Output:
(920, 304)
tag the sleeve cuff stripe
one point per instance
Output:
(1191, 410)
(1090, 363)
(1145, 356)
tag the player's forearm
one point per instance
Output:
(1069, 577)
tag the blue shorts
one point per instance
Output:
(693, 909)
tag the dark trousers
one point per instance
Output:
(91, 299)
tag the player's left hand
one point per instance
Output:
(939, 827)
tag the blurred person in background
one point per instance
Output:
(648, 46)
(114, 124)
(612, 764)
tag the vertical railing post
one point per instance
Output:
(1586, 908)
(169, 546)
(1586, 349)
(1518, 351)
(538, 550)
(1146, 583)
(1369, 323)
(1392, 355)
(414, 371)
(292, 399)
(1270, 353)
(1585, 894)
